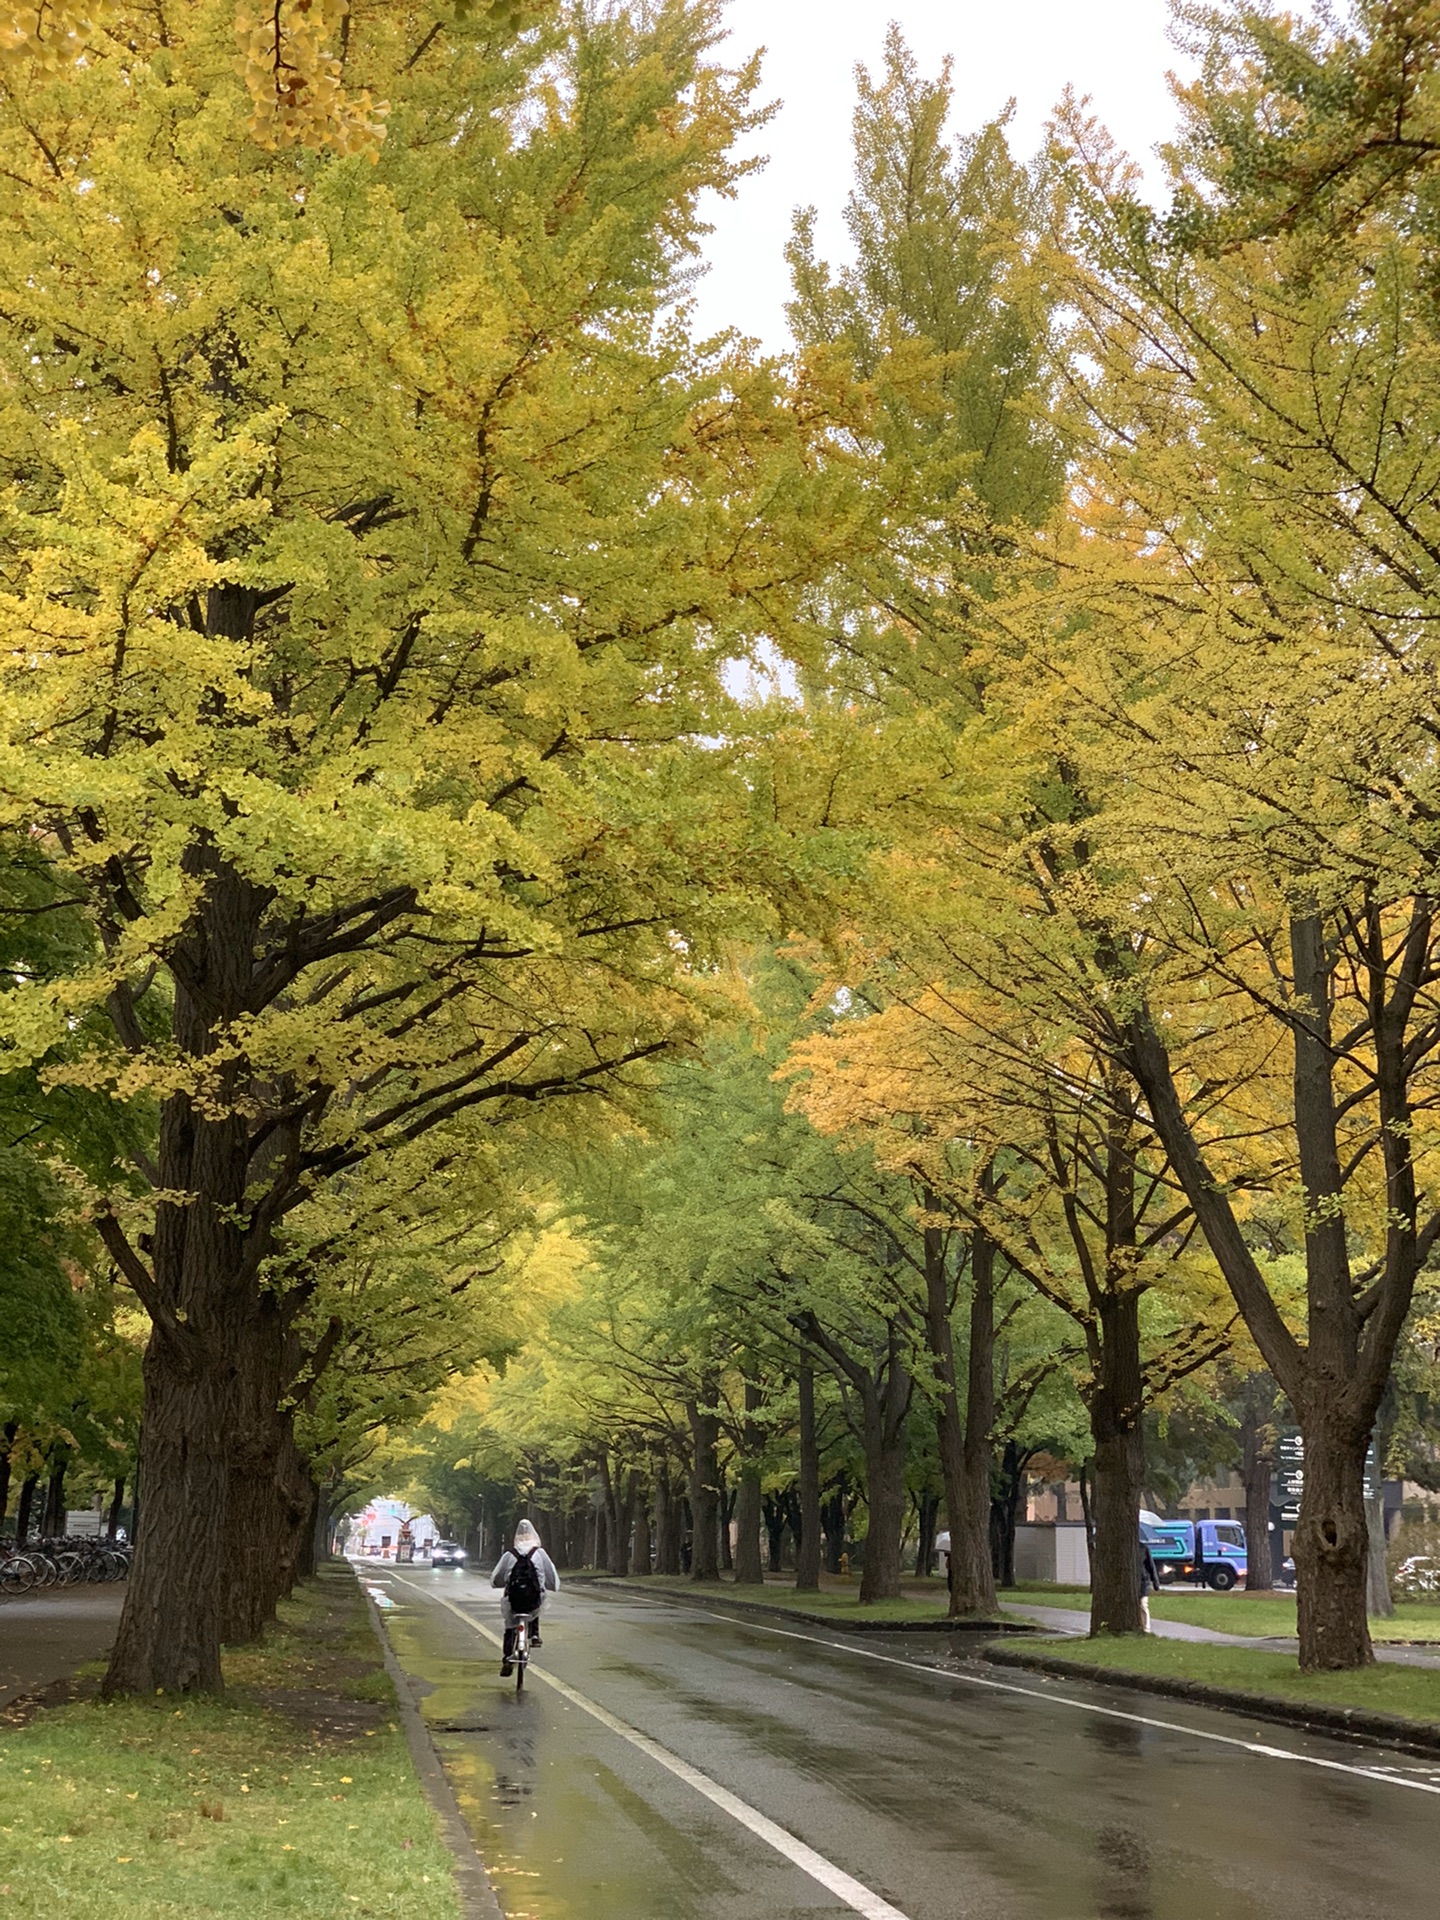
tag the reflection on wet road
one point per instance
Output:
(949, 1801)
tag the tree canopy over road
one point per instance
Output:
(597, 920)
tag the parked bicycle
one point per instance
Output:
(65, 1562)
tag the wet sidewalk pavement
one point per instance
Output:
(1068, 1620)
(45, 1636)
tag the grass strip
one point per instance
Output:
(1409, 1693)
(1264, 1615)
(1274, 1613)
(291, 1795)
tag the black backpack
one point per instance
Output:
(522, 1585)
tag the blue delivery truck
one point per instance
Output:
(1210, 1551)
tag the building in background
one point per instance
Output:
(375, 1533)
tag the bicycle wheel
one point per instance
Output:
(16, 1575)
(522, 1654)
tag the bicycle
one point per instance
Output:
(521, 1653)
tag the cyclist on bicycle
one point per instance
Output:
(525, 1573)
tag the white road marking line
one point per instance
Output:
(1389, 1779)
(834, 1879)
(1067, 1700)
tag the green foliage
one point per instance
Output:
(940, 310)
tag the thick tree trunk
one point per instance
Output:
(1005, 1511)
(669, 1523)
(926, 1518)
(807, 1551)
(8, 1434)
(775, 1507)
(640, 1551)
(973, 1588)
(574, 1538)
(748, 1570)
(834, 1513)
(1332, 1543)
(303, 1567)
(965, 1447)
(1258, 1442)
(1116, 1404)
(607, 1512)
(297, 1517)
(704, 1486)
(27, 1502)
(205, 1269)
(254, 1505)
(622, 1509)
(884, 1412)
(169, 1635)
(317, 1550)
(724, 1508)
(53, 1524)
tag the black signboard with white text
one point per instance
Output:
(1288, 1482)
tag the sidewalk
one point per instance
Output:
(1066, 1620)
(45, 1636)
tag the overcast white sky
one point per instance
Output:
(1117, 51)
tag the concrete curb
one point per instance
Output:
(1348, 1723)
(477, 1896)
(709, 1596)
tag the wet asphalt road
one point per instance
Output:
(945, 1799)
(45, 1635)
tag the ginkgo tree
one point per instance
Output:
(1240, 642)
(372, 539)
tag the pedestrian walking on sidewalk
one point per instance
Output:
(1149, 1583)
